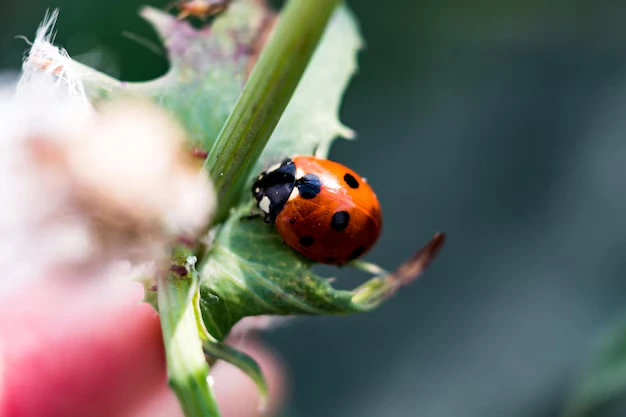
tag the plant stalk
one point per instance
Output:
(265, 96)
(187, 369)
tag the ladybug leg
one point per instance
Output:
(251, 216)
(320, 151)
(315, 149)
(255, 215)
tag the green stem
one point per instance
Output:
(265, 96)
(187, 369)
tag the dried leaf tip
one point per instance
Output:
(414, 267)
(379, 289)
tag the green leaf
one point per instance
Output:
(604, 378)
(217, 350)
(250, 271)
(208, 67)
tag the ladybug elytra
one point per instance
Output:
(321, 208)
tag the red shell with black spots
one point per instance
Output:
(332, 216)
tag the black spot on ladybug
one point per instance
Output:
(351, 181)
(331, 260)
(306, 241)
(292, 220)
(340, 220)
(357, 252)
(309, 186)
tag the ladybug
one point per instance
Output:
(321, 208)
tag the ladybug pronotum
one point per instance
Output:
(321, 208)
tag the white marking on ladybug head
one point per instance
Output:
(264, 204)
(257, 190)
(299, 173)
(295, 193)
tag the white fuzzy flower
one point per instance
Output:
(81, 189)
(46, 63)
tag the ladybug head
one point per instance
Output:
(273, 187)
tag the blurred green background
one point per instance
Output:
(500, 123)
